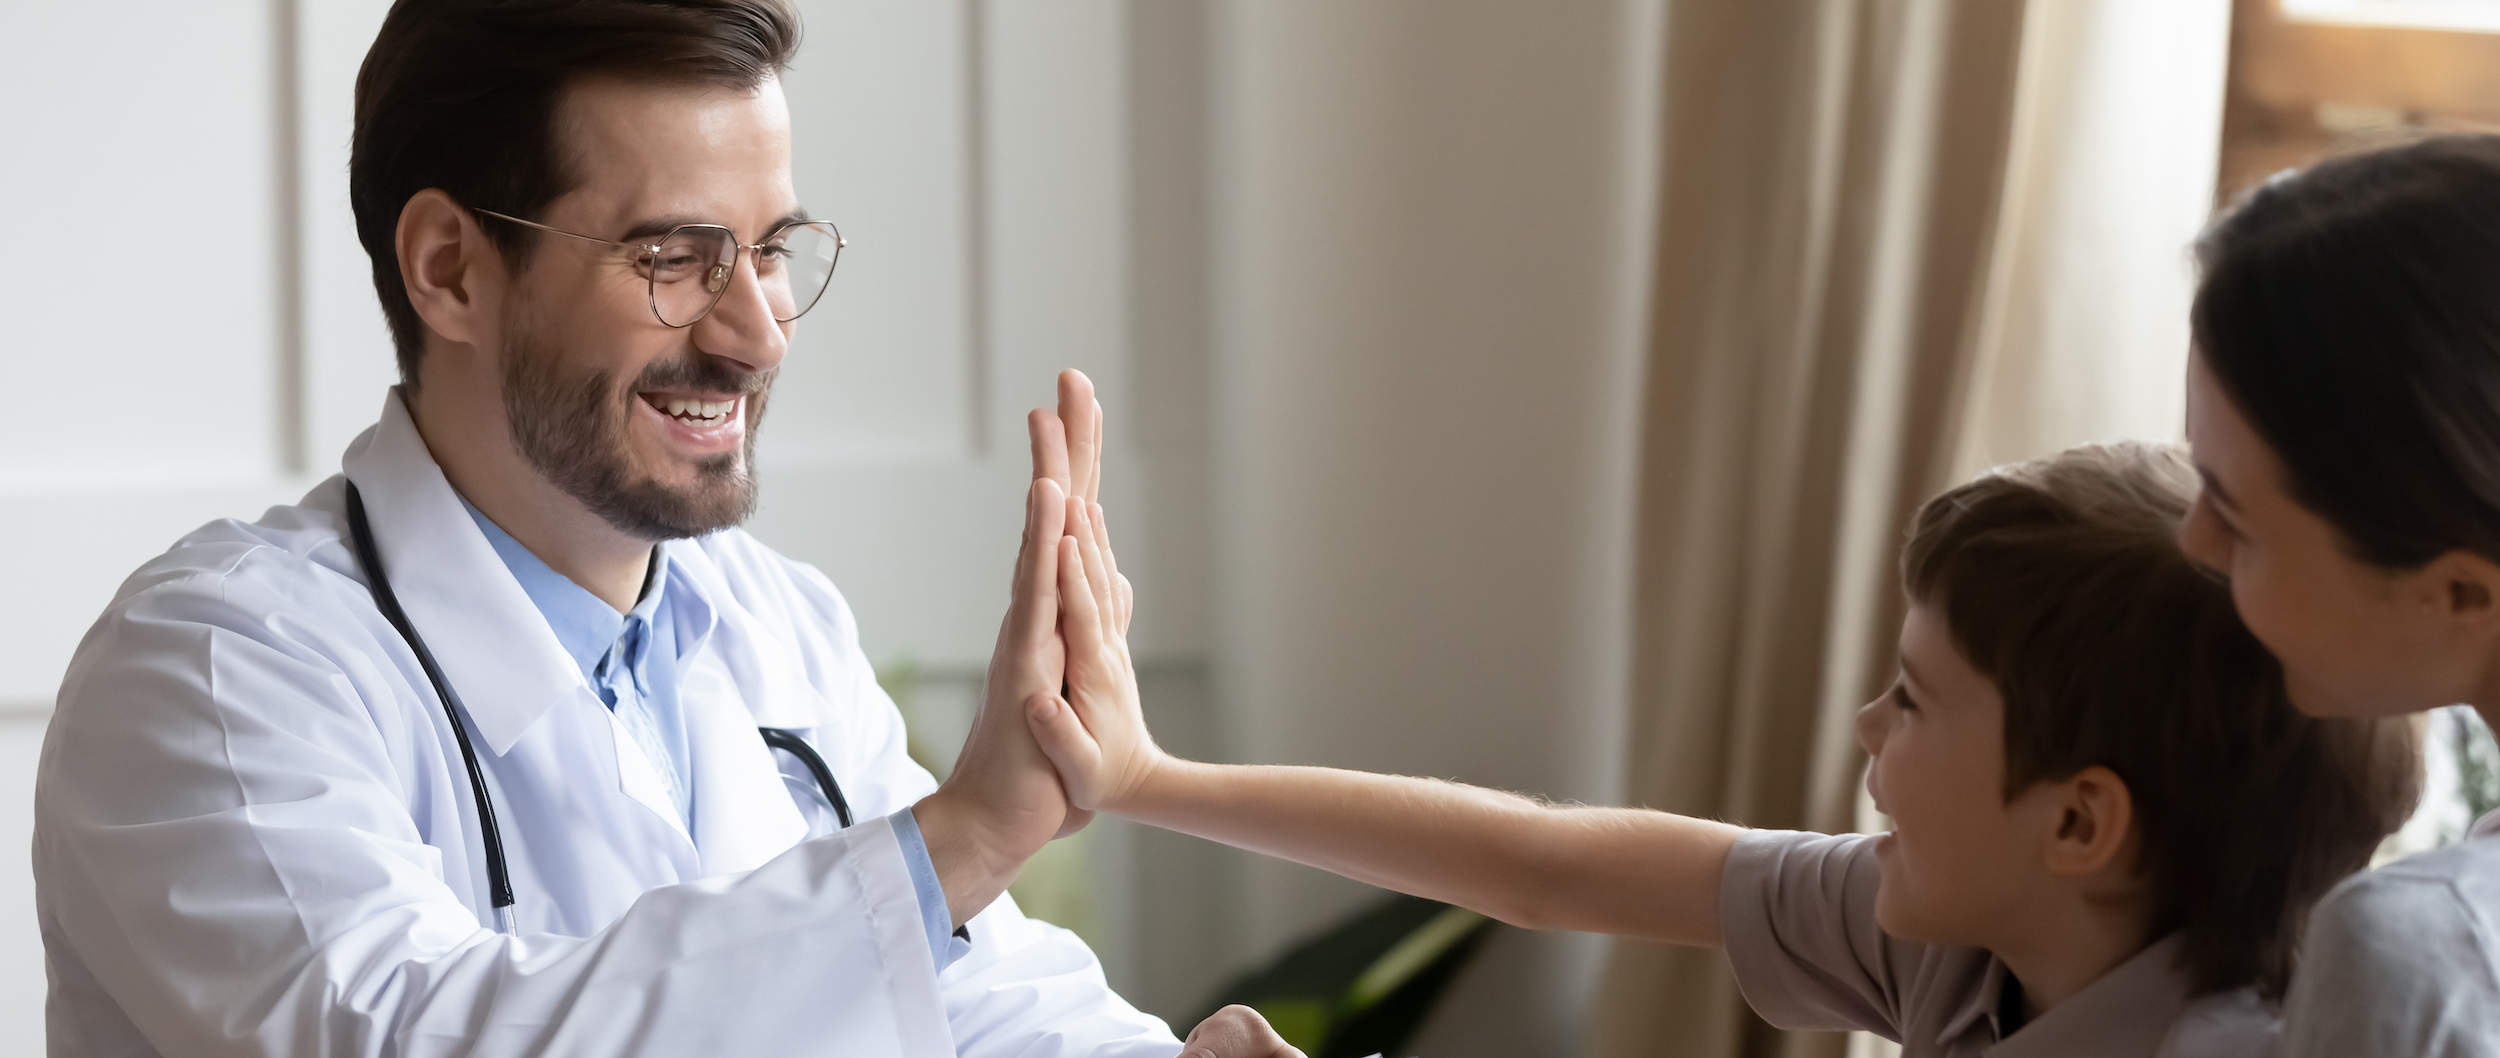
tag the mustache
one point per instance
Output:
(708, 373)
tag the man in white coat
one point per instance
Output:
(271, 820)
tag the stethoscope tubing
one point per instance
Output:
(490, 834)
(788, 741)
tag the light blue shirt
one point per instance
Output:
(630, 659)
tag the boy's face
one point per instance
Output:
(1961, 862)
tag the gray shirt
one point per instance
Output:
(2405, 959)
(1798, 912)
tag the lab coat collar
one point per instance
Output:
(494, 647)
(763, 657)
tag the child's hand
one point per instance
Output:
(1237, 1032)
(1097, 738)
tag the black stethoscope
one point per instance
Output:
(498, 880)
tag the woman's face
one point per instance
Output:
(2355, 639)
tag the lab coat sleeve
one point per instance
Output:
(1026, 989)
(228, 845)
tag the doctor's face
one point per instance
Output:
(650, 426)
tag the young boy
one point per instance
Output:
(2109, 823)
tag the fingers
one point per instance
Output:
(1081, 417)
(1097, 565)
(1123, 597)
(1237, 1032)
(1034, 611)
(1070, 747)
(1050, 448)
(1081, 614)
(1093, 491)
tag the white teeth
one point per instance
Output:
(698, 411)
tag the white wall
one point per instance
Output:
(1431, 218)
(154, 336)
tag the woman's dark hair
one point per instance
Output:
(2061, 580)
(2352, 313)
(464, 95)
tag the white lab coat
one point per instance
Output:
(254, 834)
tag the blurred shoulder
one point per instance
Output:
(2451, 888)
(2404, 959)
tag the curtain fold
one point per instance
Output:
(1830, 188)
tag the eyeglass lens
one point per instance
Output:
(694, 266)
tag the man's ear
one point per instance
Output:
(452, 273)
(2095, 824)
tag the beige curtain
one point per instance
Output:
(1899, 241)
(1830, 183)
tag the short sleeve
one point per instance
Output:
(1798, 914)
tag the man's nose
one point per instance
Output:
(741, 327)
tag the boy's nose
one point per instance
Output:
(1872, 722)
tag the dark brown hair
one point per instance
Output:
(2061, 580)
(2352, 312)
(464, 95)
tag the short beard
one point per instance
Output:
(573, 427)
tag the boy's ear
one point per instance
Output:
(2465, 587)
(2095, 823)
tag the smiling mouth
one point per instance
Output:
(693, 411)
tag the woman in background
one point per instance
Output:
(2344, 409)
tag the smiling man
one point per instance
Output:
(506, 740)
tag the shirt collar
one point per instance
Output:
(2128, 1010)
(1981, 1004)
(584, 623)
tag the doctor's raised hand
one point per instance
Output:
(1003, 801)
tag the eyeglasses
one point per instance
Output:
(690, 267)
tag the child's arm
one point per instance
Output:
(1611, 870)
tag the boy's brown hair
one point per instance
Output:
(2062, 581)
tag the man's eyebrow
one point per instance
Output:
(654, 227)
(657, 226)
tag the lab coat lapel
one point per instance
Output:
(743, 814)
(639, 777)
(756, 650)
(497, 651)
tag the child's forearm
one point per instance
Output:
(1610, 870)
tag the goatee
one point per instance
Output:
(575, 428)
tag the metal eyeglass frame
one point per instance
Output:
(652, 249)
